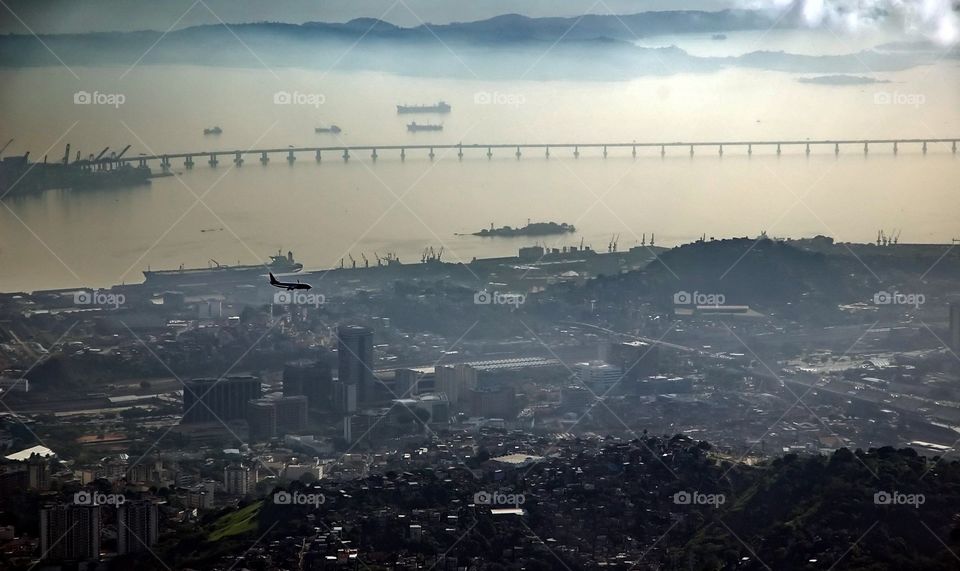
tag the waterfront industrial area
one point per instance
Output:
(199, 388)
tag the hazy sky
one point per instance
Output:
(59, 16)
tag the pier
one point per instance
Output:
(548, 150)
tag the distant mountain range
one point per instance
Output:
(508, 46)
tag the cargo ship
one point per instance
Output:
(218, 272)
(331, 129)
(18, 176)
(439, 107)
(414, 127)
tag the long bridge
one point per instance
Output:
(345, 152)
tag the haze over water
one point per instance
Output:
(323, 212)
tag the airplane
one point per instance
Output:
(288, 285)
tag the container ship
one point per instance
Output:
(218, 272)
(439, 107)
(415, 127)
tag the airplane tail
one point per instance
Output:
(273, 280)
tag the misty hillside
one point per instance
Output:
(508, 46)
(770, 274)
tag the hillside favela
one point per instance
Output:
(391, 285)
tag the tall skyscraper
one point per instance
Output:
(955, 326)
(238, 479)
(270, 417)
(312, 379)
(213, 400)
(455, 381)
(70, 532)
(137, 526)
(355, 360)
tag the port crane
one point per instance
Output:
(366, 263)
(353, 263)
(430, 255)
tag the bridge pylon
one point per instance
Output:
(188, 162)
(213, 160)
(264, 159)
(238, 159)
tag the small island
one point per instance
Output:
(531, 229)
